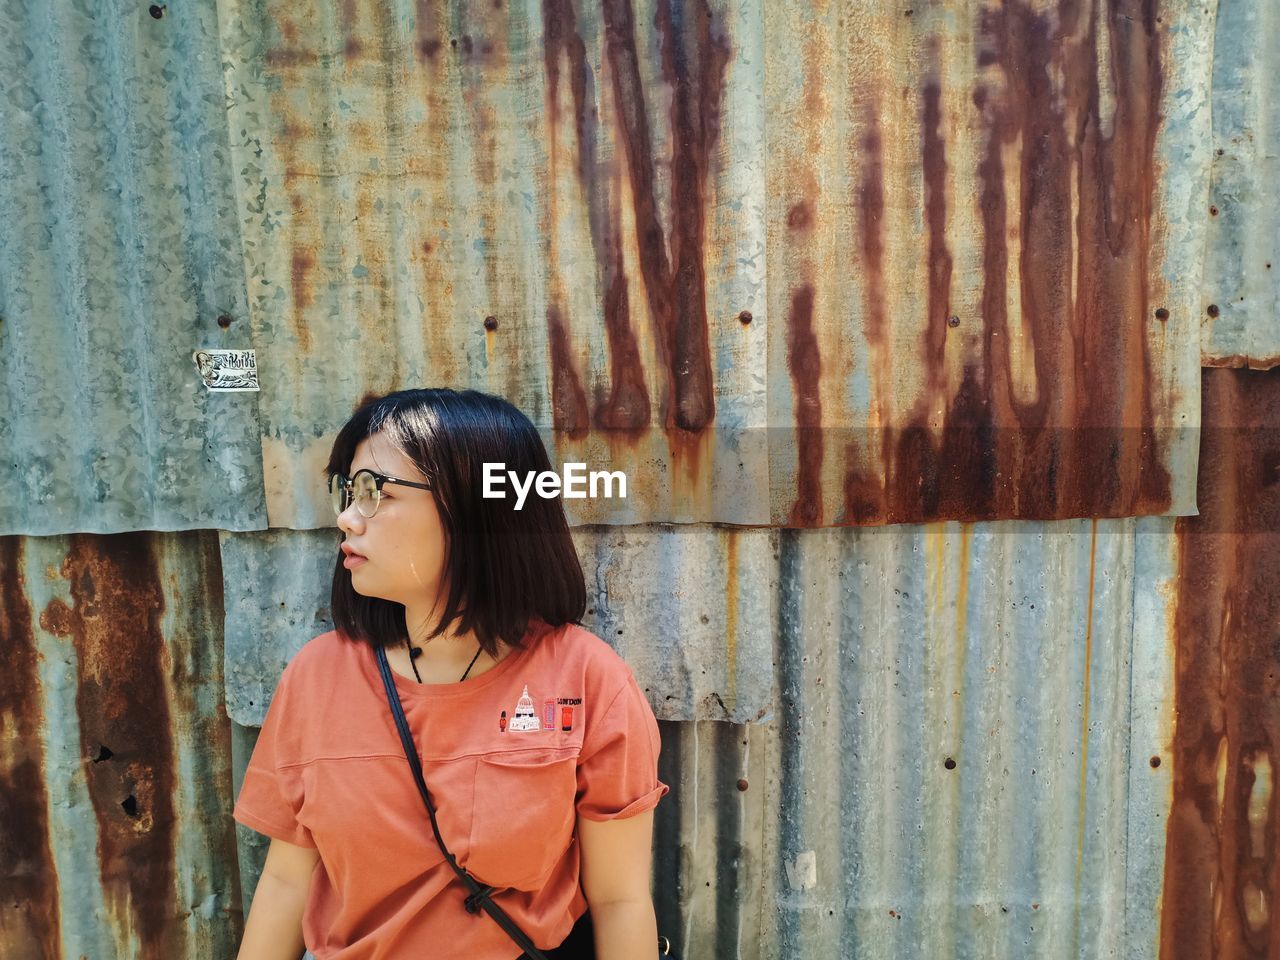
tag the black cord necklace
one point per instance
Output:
(416, 652)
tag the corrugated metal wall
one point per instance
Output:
(121, 250)
(116, 772)
(1240, 299)
(790, 266)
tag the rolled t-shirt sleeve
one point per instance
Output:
(618, 765)
(271, 794)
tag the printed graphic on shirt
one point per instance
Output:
(566, 707)
(525, 719)
(556, 711)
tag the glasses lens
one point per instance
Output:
(338, 494)
(366, 493)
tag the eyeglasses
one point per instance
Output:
(365, 488)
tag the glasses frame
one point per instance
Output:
(379, 480)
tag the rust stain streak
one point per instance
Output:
(970, 457)
(800, 217)
(953, 477)
(676, 287)
(934, 155)
(568, 398)
(805, 361)
(303, 263)
(871, 226)
(426, 24)
(569, 410)
(1222, 860)
(123, 704)
(30, 925)
(1135, 51)
(289, 58)
(561, 40)
(351, 48)
(626, 407)
(936, 479)
(1083, 442)
(864, 490)
(698, 91)
(996, 360)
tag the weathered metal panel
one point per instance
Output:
(1036, 656)
(974, 219)
(689, 608)
(120, 253)
(405, 173)
(981, 258)
(952, 758)
(1221, 872)
(251, 846)
(1240, 297)
(1152, 722)
(114, 750)
(29, 916)
(555, 205)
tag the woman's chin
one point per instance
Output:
(370, 591)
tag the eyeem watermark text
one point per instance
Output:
(576, 484)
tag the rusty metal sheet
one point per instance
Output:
(29, 915)
(1152, 721)
(952, 768)
(120, 254)
(536, 201)
(1240, 295)
(960, 759)
(978, 252)
(1220, 891)
(114, 749)
(690, 608)
(980, 290)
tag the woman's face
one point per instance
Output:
(404, 542)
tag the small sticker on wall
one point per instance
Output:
(227, 370)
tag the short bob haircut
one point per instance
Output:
(506, 568)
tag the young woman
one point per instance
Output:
(538, 748)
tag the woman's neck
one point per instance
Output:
(439, 669)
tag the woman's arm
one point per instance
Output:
(274, 928)
(616, 865)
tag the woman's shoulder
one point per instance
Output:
(319, 655)
(576, 649)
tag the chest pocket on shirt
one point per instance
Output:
(523, 817)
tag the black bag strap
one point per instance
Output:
(478, 894)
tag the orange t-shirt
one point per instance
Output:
(558, 729)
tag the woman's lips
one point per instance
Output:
(353, 560)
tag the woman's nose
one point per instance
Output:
(350, 520)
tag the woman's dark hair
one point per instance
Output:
(505, 567)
